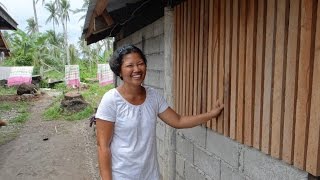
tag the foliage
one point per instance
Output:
(92, 95)
(38, 50)
(95, 93)
(8, 91)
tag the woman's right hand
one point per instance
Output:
(218, 107)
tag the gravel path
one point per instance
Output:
(57, 150)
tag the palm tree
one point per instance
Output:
(64, 14)
(52, 8)
(54, 38)
(32, 26)
(35, 14)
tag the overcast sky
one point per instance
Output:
(21, 10)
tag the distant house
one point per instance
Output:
(261, 57)
(6, 23)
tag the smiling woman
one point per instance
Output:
(126, 120)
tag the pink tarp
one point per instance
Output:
(105, 75)
(20, 75)
(72, 75)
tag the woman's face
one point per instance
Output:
(133, 69)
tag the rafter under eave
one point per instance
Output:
(98, 12)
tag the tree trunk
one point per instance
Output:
(35, 15)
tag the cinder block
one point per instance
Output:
(152, 45)
(184, 148)
(229, 173)
(158, 26)
(196, 134)
(161, 43)
(161, 129)
(153, 78)
(180, 165)
(226, 149)
(191, 173)
(179, 177)
(161, 148)
(162, 166)
(209, 164)
(124, 41)
(155, 62)
(258, 165)
(148, 31)
(137, 37)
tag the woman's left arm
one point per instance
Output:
(170, 117)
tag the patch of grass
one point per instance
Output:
(21, 118)
(17, 114)
(92, 95)
(55, 112)
(86, 113)
(8, 91)
(95, 92)
(5, 107)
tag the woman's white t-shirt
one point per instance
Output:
(133, 146)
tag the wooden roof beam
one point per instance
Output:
(108, 19)
(99, 8)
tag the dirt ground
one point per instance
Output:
(52, 150)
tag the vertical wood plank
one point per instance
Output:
(250, 71)
(304, 84)
(200, 68)
(196, 59)
(192, 60)
(268, 70)
(205, 57)
(184, 74)
(278, 79)
(227, 67)
(313, 152)
(234, 69)
(258, 98)
(181, 57)
(215, 56)
(241, 72)
(221, 62)
(175, 59)
(291, 81)
(210, 62)
(178, 29)
(188, 59)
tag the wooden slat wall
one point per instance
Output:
(262, 59)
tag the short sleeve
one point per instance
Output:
(162, 103)
(107, 108)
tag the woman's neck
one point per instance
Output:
(134, 94)
(132, 90)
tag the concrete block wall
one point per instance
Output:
(205, 154)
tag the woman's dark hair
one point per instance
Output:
(117, 58)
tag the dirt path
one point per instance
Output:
(69, 153)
